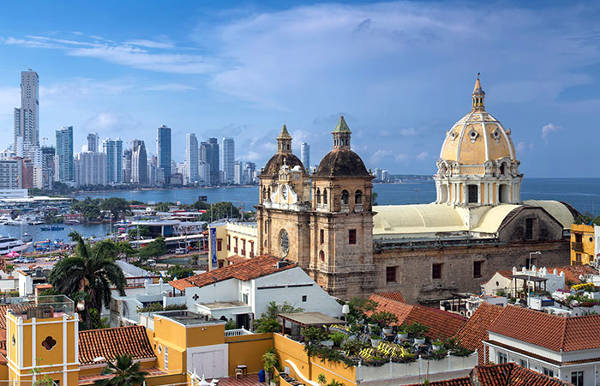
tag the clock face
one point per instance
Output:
(284, 243)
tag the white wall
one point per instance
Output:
(222, 291)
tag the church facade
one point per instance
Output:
(478, 224)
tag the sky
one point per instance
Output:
(401, 73)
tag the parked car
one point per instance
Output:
(180, 251)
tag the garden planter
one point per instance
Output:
(327, 343)
(402, 336)
(375, 342)
(436, 347)
(419, 340)
(388, 330)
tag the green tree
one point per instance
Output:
(155, 248)
(116, 206)
(125, 372)
(268, 321)
(163, 206)
(88, 275)
(89, 208)
(178, 271)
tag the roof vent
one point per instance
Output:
(282, 263)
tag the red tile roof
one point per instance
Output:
(441, 324)
(108, 343)
(235, 259)
(475, 330)
(465, 381)
(572, 273)
(397, 296)
(550, 331)
(511, 374)
(245, 270)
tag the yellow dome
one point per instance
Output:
(477, 137)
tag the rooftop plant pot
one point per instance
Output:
(419, 340)
(388, 330)
(327, 343)
(402, 335)
(375, 342)
(436, 347)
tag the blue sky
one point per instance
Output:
(400, 72)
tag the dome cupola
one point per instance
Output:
(478, 163)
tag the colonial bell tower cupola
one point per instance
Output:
(284, 141)
(478, 96)
(341, 135)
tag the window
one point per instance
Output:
(523, 363)
(322, 236)
(472, 194)
(245, 298)
(324, 196)
(578, 258)
(166, 358)
(229, 242)
(477, 269)
(502, 358)
(390, 274)
(322, 256)
(344, 197)
(304, 298)
(352, 236)
(318, 196)
(528, 229)
(578, 237)
(219, 244)
(577, 378)
(436, 271)
(548, 372)
(358, 197)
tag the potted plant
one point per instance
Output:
(418, 331)
(270, 361)
(384, 319)
(437, 345)
(337, 338)
(402, 333)
(375, 336)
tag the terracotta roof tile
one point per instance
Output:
(475, 330)
(111, 342)
(464, 381)
(397, 296)
(511, 374)
(245, 270)
(553, 332)
(441, 324)
(235, 259)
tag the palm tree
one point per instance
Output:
(88, 275)
(125, 372)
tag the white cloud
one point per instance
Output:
(524, 147)
(170, 87)
(150, 43)
(380, 155)
(549, 129)
(422, 155)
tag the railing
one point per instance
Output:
(237, 332)
(577, 246)
(358, 208)
(345, 208)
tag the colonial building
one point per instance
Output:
(478, 224)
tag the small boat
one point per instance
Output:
(26, 237)
(53, 228)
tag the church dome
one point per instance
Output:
(477, 137)
(276, 162)
(341, 161)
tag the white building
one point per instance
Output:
(27, 116)
(238, 173)
(91, 168)
(228, 159)
(191, 158)
(10, 174)
(114, 160)
(567, 348)
(533, 279)
(243, 291)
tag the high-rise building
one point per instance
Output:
(249, 173)
(93, 142)
(127, 154)
(64, 154)
(163, 150)
(48, 154)
(238, 172)
(305, 154)
(228, 159)
(191, 158)
(27, 116)
(213, 160)
(91, 168)
(10, 176)
(139, 163)
(203, 172)
(114, 160)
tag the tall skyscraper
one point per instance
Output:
(305, 155)
(48, 164)
(93, 142)
(91, 168)
(238, 172)
(228, 159)
(127, 155)
(139, 163)
(64, 154)
(191, 157)
(27, 116)
(163, 150)
(212, 157)
(114, 160)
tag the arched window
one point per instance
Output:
(322, 256)
(358, 197)
(325, 196)
(345, 197)
(318, 196)
(502, 169)
(264, 192)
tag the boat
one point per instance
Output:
(12, 244)
(16, 221)
(26, 237)
(53, 228)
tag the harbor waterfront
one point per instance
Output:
(581, 193)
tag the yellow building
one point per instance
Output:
(583, 245)
(229, 239)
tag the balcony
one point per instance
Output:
(577, 246)
(41, 307)
(237, 332)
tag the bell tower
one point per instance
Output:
(341, 255)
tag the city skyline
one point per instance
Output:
(401, 90)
